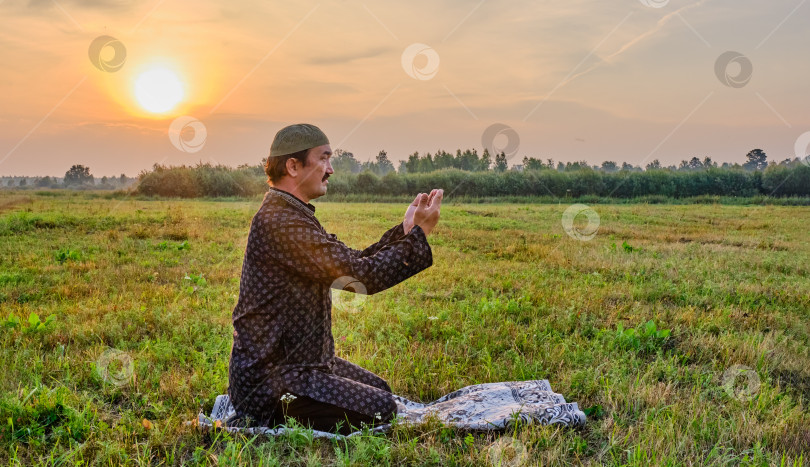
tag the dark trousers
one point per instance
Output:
(323, 417)
(348, 385)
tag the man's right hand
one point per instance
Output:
(427, 210)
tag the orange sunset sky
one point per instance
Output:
(622, 80)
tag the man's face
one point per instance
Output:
(312, 180)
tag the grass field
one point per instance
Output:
(147, 288)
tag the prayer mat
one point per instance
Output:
(489, 406)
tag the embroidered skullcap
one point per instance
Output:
(294, 138)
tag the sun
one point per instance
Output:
(158, 90)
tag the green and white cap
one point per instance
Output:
(298, 137)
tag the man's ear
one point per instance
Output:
(292, 168)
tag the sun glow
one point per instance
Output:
(158, 90)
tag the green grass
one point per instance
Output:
(638, 325)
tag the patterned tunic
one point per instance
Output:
(282, 340)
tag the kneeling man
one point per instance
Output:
(282, 340)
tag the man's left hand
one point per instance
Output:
(407, 224)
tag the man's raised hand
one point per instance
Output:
(427, 211)
(428, 207)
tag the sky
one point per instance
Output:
(625, 80)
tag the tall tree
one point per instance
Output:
(530, 163)
(444, 160)
(344, 162)
(78, 175)
(756, 160)
(412, 165)
(383, 165)
(610, 166)
(695, 164)
(500, 162)
(578, 165)
(426, 164)
(486, 160)
(468, 160)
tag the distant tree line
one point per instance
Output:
(78, 177)
(469, 160)
(775, 181)
(467, 174)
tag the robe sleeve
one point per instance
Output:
(301, 247)
(394, 233)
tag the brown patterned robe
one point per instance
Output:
(282, 340)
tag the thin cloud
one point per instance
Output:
(334, 59)
(105, 5)
(609, 59)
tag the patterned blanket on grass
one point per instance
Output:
(490, 406)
